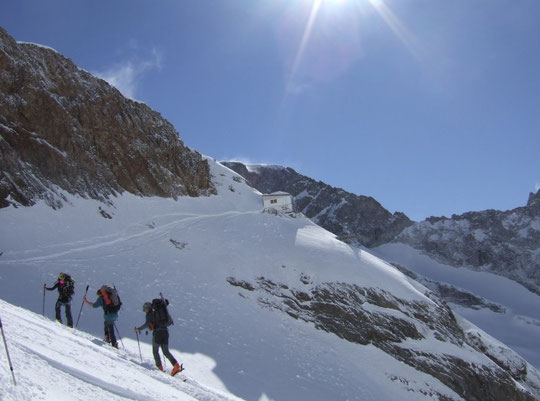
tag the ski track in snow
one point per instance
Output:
(111, 240)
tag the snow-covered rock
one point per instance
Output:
(501, 242)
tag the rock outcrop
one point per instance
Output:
(424, 335)
(63, 129)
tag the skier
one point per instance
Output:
(160, 335)
(64, 284)
(110, 314)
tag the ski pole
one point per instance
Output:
(164, 358)
(119, 336)
(7, 353)
(43, 312)
(139, 344)
(82, 304)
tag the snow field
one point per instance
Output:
(229, 342)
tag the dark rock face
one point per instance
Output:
(355, 219)
(61, 128)
(504, 243)
(374, 316)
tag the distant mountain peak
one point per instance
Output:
(534, 199)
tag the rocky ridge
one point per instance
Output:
(404, 330)
(63, 129)
(502, 242)
(355, 219)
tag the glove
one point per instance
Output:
(137, 330)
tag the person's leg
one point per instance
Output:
(164, 342)
(155, 351)
(68, 314)
(167, 354)
(107, 339)
(112, 336)
(162, 337)
(57, 310)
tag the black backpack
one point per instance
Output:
(111, 299)
(69, 286)
(160, 314)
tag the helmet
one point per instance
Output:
(147, 306)
(61, 276)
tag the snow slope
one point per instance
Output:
(518, 327)
(187, 249)
(52, 362)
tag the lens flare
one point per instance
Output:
(394, 23)
(330, 41)
(303, 43)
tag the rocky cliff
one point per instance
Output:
(63, 129)
(356, 219)
(503, 242)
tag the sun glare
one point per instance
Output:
(395, 24)
(328, 20)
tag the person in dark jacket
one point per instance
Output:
(160, 338)
(109, 318)
(64, 285)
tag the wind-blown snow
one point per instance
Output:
(38, 45)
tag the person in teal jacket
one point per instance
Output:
(109, 318)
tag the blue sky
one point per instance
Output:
(431, 107)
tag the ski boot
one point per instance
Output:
(177, 369)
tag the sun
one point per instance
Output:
(339, 7)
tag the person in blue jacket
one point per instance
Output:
(109, 317)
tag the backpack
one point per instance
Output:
(69, 286)
(111, 298)
(160, 314)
